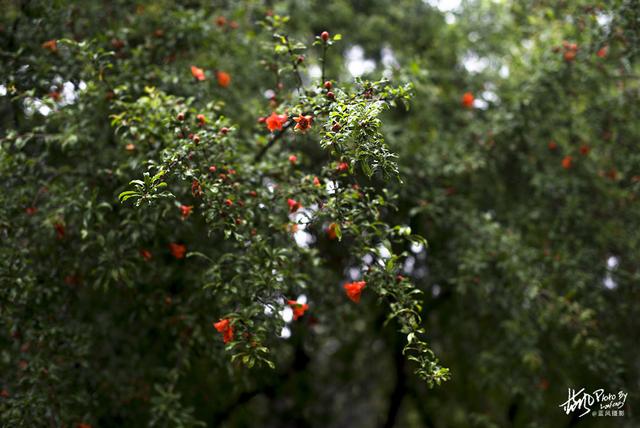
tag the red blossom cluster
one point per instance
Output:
(354, 290)
(298, 308)
(177, 250)
(467, 100)
(224, 326)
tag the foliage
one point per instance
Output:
(194, 191)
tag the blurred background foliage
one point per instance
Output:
(528, 198)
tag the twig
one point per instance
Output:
(324, 59)
(295, 66)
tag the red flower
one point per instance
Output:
(185, 210)
(201, 119)
(602, 52)
(584, 150)
(324, 36)
(276, 121)
(354, 290)
(567, 162)
(51, 45)
(303, 123)
(467, 100)
(331, 231)
(196, 189)
(83, 425)
(570, 51)
(228, 202)
(60, 230)
(224, 79)
(177, 250)
(198, 73)
(4, 393)
(54, 95)
(293, 205)
(221, 21)
(552, 145)
(224, 326)
(146, 255)
(342, 167)
(31, 210)
(293, 159)
(316, 181)
(298, 308)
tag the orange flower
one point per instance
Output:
(316, 181)
(201, 119)
(276, 121)
(567, 162)
(51, 45)
(224, 326)
(177, 250)
(331, 231)
(198, 73)
(342, 167)
(303, 123)
(354, 290)
(224, 79)
(293, 205)
(298, 308)
(185, 210)
(467, 100)
(602, 52)
(146, 255)
(293, 159)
